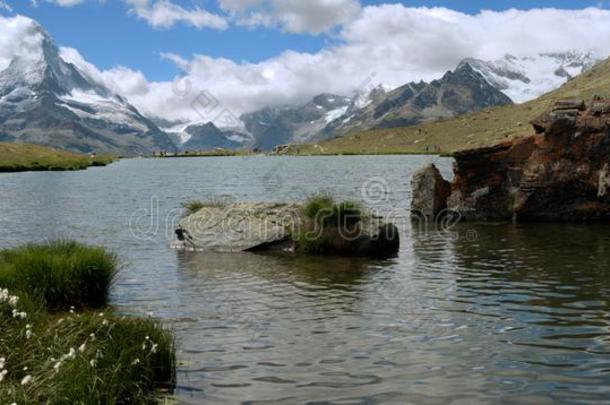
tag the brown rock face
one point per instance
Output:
(430, 193)
(562, 173)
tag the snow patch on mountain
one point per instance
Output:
(90, 105)
(526, 78)
(334, 114)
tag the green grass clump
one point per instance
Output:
(71, 356)
(86, 358)
(61, 274)
(323, 209)
(193, 206)
(327, 225)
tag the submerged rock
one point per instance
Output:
(559, 174)
(269, 227)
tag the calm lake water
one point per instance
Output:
(479, 314)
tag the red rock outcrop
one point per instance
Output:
(561, 173)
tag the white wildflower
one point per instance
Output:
(28, 334)
(72, 354)
(82, 348)
(57, 366)
(25, 368)
(26, 380)
(23, 315)
(2, 362)
(92, 336)
(101, 314)
(135, 362)
(12, 301)
(93, 363)
(105, 323)
(3, 373)
(153, 348)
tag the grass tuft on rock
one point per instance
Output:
(323, 209)
(194, 206)
(48, 356)
(328, 225)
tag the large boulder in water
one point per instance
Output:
(429, 193)
(264, 227)
(238, 227)
(558, 174)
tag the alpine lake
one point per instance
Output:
(462, 315)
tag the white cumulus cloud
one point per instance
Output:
(390, 44)
(297, 16)
(19, 37)
(5, 6)
(166, 14)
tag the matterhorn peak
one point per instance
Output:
(39, 66)
(57, 104)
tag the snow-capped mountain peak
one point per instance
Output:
(46, 100)
(39, 64)
(525, 78)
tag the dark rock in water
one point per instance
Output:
(430, 193)
(559, 174)
(384, 242)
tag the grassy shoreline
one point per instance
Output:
(16, 157)
(205, 153)
(61, 343)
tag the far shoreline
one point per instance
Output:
(20, 157)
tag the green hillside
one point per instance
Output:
(481, 128)
(15, 157)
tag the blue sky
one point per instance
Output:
(107, 34)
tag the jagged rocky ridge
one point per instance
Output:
(47, 101)
(274, 126)
(474, 85)
(326, 116)
(209, 136)
(561, 173)
(458, 92)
